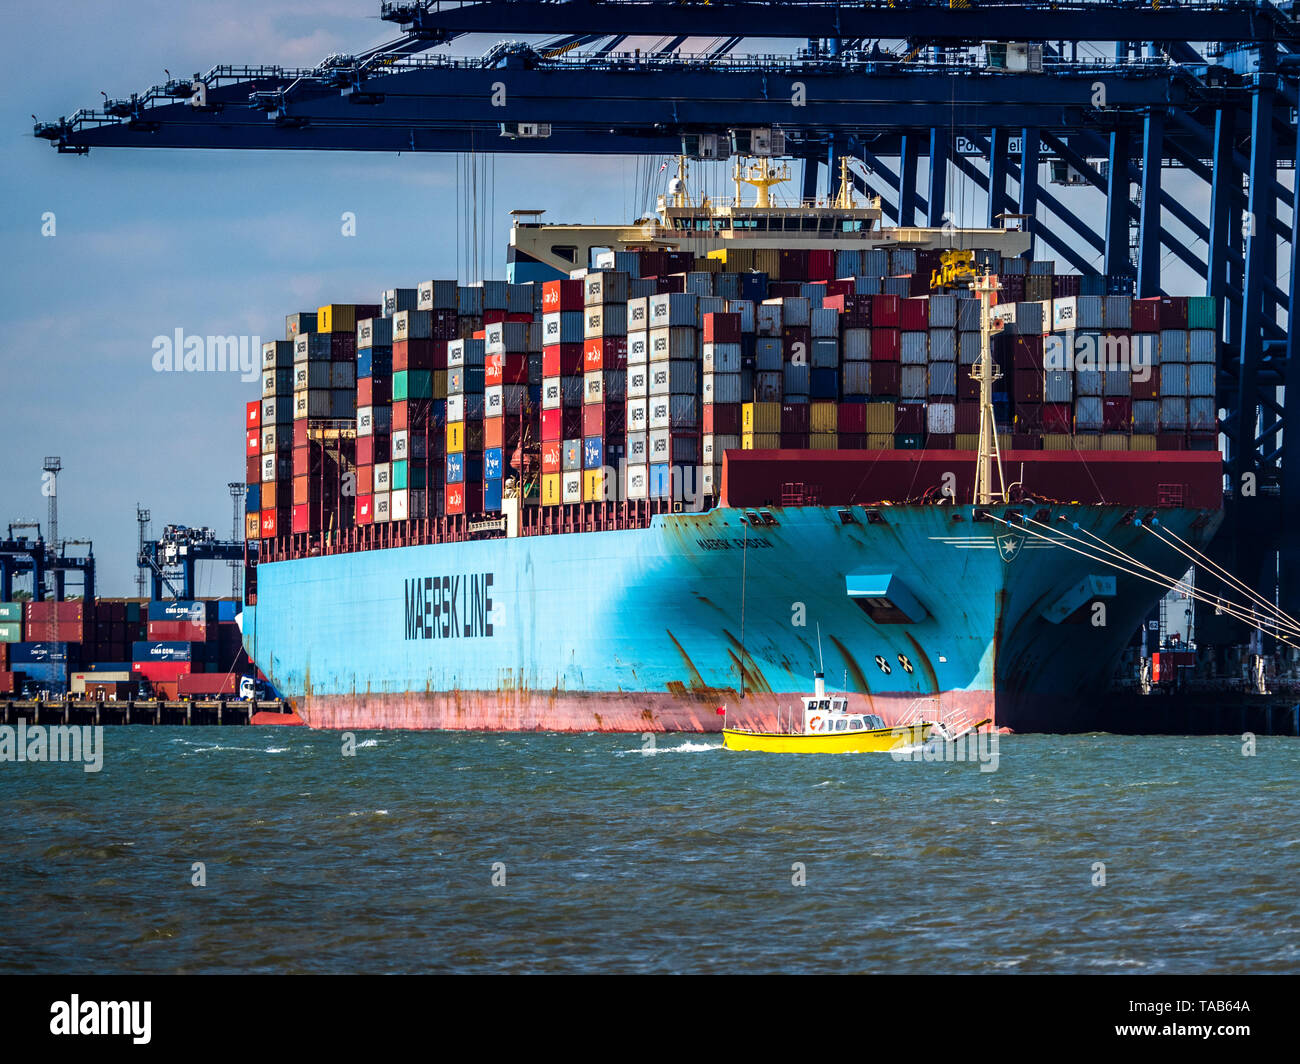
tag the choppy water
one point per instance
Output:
(615, 859)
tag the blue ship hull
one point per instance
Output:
(921, 612)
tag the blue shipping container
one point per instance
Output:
(162, 651)
(491, 495)
(196, 610)
(492, 464)
(825, 383)
(593, 452)
(253, 499)
(52, 676)
(227, 610)
(753, 286)
(43, 653)
(455, 468)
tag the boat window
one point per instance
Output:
(841, 725)
(855, 724)
(825, 703)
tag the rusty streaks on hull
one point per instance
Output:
(855, 670)
(923, 659)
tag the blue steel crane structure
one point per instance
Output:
(1119, 92)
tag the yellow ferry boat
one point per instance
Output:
(830, 728)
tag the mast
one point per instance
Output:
(985, 371)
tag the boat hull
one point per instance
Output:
(644, 630)
(874, 741)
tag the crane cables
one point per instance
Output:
(1112, 556)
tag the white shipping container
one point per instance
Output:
(673, 309)
(572, 486)
(637, 448)
(383, 508)
(438, 295)
(607, 286)
(464, 353)
(609, 319)
(638, 481)
(1076, 312)
(638, 348)
(638, 415)
(711, 478)
(941, 418)
(399, 505)
(638, 313)
(401, 441)
(562, 327)
(672, 343)
(674, 412)
(638, 382)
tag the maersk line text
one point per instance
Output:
(449, 607)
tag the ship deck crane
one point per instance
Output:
(176, 555)
(1206, 88)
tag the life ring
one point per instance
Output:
(813, 722)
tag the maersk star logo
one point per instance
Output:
(1009, 544)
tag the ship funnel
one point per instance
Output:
(819, 685)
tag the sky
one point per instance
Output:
(209, 242)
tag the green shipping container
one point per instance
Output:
(905, 441)
(1200, 312)
(399, 475)
(11, 632)
(133, 612)
(11, 611)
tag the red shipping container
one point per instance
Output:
(604, 419)
(886, 345)
(306, 517)
(1028, 386)
(1029, 418)
(1146, 315)
(300, 437)
(886, 379)
(795, 417)
(670, 282)
(420, 354)
(886, 313)
(8, 683)
(465, 498)
(794, 264)
(1027, 353)
(552, 423)
(254, 410)
(794, 441)
(909, 419)
(784, 289)
(374, 391)
(607, 352)
(1026, 441)
(49, 611)
(270, 525)
(177, 631)
(722, 419)
(562, 360)
(839, 287)
(1171, 441)
(562, 295)
(365, 480)
(821, 264)
(252, 469)
(792, 336)
(968, 389)
(968, 417)
(1058, 417)
(1116, 413)
(914, 315)
(552, 456)
(501, 368)
(1173, 312)
(372, 450)
(719, 329)
(941, 441)
(209, 684)
(853, 441)
(851, 418)
(1147, 389)
(164, 671)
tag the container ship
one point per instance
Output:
(630, 484)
